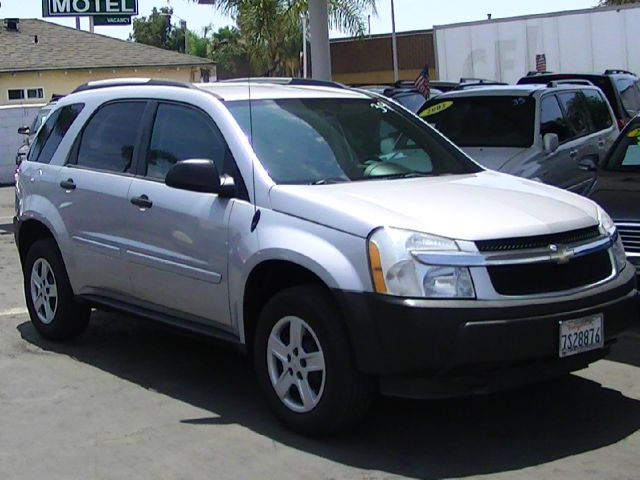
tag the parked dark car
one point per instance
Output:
(403, 92)
(617, 188)
(622, 89)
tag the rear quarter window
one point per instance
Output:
(52, 132)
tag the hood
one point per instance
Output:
(494, 158)
(619, 194)
(482, 206)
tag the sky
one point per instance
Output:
(410, 14)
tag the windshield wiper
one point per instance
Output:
(405, 175)
(328, 181)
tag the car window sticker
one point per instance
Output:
(437, 108)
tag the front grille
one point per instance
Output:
(539, 241)
(630, 234)
(536, 278)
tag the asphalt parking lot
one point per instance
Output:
(132, 400)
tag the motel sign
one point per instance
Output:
(73, 8)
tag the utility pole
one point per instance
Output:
(305, 61)
(320, 51)
(394, 43)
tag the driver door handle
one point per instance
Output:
(68, 184)
(142, 201)
(573, 153)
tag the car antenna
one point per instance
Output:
(256, 213)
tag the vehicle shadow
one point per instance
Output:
(424, 439)
(6, 228)
(627, 349)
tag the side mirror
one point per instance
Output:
(588, 163)
(24, 131)
(200, 176)
(551, 142)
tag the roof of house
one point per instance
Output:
(63, 48)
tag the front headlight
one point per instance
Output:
(608, 227)
(395, 269)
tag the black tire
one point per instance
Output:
(347, 393)
(70, 318)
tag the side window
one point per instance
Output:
(61, 121)
(576, 114)
(182, 133)
(629, 94)
(552, 119)
(109, 139)
(598, 110)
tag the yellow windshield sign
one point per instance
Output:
(437, 108)
(634, 133)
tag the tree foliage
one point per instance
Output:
(268, 33)
(158, 31)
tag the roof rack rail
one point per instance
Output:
(613, 71)
(130, 82)
(288, 81)
(471, 85)
(569, 81)
(479, 80)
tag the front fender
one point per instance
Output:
(339, 259)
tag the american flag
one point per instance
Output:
(422, 82)
(541, 63)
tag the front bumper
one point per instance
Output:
(413, 342)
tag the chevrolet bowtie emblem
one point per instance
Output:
(561, 254)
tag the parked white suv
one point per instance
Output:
(334, 236)
(556, 134)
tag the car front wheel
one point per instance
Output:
(304, 363)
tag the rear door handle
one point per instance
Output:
(601, 143)
(573, 153)
(142, 201)
(68, 184)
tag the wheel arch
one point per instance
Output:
(29, 232)
(266, 279)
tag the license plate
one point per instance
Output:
(581, 335)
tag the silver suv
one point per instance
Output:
(556, 134)
(334, 236)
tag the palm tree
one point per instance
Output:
(345, 15)
(270, 30)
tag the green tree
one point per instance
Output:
(228, 50)
(270, 30)
(158, 31)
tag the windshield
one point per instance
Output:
(625, 156)
(483, 121)
(329, 140)
(39, 120)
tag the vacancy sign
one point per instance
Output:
(77, 8)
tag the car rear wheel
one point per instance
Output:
(305, 366)
(53, 309)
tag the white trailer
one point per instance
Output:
(11, 118)
(576, 41)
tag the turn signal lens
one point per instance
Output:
(376, 269)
